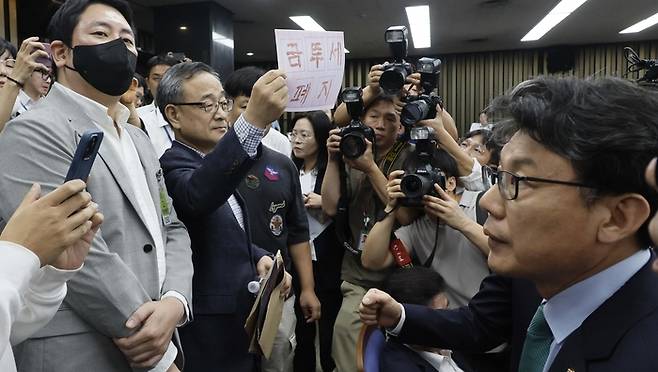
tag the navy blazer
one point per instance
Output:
(223, 256)
(619, 336)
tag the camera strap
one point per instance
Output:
(341, 219)
(391, 156)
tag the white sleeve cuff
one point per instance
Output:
(50, 281)
(182, 299)
(167, 359)
(398, 328)
(17, 265)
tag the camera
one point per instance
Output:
(395, 74)
(423, 106)
(421, 175)
(353, 136)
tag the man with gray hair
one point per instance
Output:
(202, 170)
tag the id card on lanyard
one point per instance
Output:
(165, 209)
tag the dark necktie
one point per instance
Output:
(537, 343)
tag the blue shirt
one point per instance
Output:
(567, 310)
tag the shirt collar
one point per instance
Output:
(161, 122)
(96, 111)
(567, 310)
(24, 99)
(202, 155)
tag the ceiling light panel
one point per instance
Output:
(419, 21)
(553, 18)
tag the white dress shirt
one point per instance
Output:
(157, 127)
(278, 142)
(22, 104)
(29, 297)
(118, 139)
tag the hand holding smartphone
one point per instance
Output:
(84, 156)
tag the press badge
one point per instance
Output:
(164, 201)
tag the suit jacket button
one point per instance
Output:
(148, 248)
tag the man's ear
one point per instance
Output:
(173, 116)
(59, 52)
(451, 184)
(623, 216)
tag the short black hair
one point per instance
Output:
(241, 81)
(607, 128)
(161, 59)
(66, 18)
(490, 142)
(170, 89)
(440, 159)
(416, 285)
(7, 46)
(140, 80)
(321, 127)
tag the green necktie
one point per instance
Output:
(537, 343)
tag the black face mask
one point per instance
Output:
(108, 67)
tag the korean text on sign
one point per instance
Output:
(314, 62)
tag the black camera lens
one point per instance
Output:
(392, 79)
(413, 112)
(353, 145)
(414, 186)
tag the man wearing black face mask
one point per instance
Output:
(123, 307)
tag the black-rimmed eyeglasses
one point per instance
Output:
(508, 182)
(209, 107)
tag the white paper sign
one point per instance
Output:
(314, 62)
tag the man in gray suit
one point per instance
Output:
(124, 305)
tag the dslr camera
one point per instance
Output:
(423, 106)
(419, 180)
(395, 74)
(353, 136)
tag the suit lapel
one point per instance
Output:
(600, 333)
(81, 123)
(151, 169)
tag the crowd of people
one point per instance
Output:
(531, 249)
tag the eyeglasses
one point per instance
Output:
(302, 136)
(45, 76)
(508, 182)
(9, 63)
(479, 148)
(210, 107)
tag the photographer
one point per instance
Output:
(364, 176)
(439, 239)
(16, 70)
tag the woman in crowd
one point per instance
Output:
(308, 137)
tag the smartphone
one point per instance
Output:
(46, 61)
(84, 157)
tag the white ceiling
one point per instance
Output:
(457, 25)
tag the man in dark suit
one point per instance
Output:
(202, 173)
(569, 213)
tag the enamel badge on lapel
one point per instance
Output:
(271, 174)
(164, 201)
(276, 225)
(252, 181)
